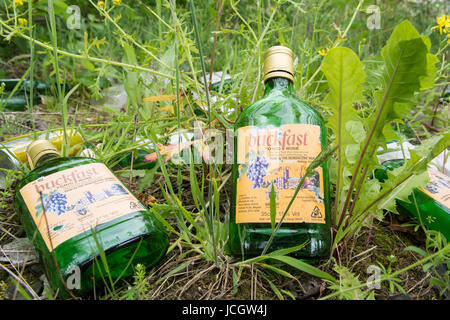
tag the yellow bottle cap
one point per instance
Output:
(39, 148)
(278, 62)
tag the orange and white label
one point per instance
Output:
(438, 187)
(279, 156)
(67, 203)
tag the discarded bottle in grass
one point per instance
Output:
(15, 103)
(13, 151)
(87, 226)
(139, 161)
(430, 204)
(38, 86)
(276, 139)
(18, 101)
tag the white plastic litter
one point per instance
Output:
(438, 162)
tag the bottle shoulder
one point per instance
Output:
(279, 109)
(54, 165)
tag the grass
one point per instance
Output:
(171, 48)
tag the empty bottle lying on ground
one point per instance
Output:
(16, 93)
(428, 205)
(86, 225)
(25, 85)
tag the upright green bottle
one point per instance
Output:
(74, 210)
(276, 139)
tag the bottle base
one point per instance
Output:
(253, 242)
(97, 273)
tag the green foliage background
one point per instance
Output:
(367, 80)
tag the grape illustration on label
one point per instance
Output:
(53, 202)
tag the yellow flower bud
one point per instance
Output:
(323, 52)
(22, 21)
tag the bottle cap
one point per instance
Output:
(39, 148)
(278, 62)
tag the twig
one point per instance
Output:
(363, 253)
(21, 280)
(420, 282)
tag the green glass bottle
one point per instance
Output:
(15, 103)
(429, 205)
(139, 161)
(74, 210)
(38, 86)
(276, 138)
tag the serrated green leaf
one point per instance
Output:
(352, 152)
(345, 77)
(405, 64)
(427, 82)
(370, 190)
(389, 133)
(356, 130)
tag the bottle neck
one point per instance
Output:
(45, 158)
(278, 84)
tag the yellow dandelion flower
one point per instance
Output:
(443, 24)
(117, 2)
(101, 4)
(323, 52)
(18, 3)
(22, 21)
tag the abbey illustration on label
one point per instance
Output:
(287, 182)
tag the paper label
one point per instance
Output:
(76, 200)
(438, 187)
(279, 156)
